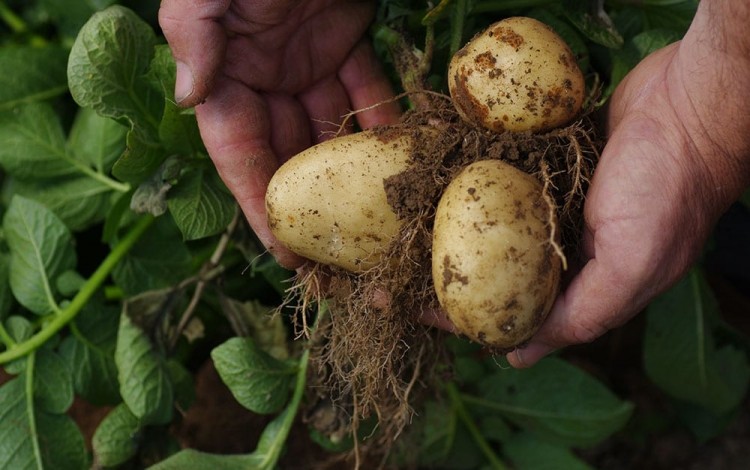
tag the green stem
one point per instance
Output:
(457, 27)
(5, 336)
(88, 289)
(476, 434)
(14, 22)
(30, 363)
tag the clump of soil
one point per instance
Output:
(373, 354)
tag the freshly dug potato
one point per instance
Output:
(518, 75)
(493, 264)
(329, 204)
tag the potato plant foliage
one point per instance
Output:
(125, 266)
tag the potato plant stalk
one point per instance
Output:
(88, 289)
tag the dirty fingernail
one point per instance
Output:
(184, 83)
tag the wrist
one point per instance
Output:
(711, 72)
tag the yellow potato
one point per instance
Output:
(518, 75)
(329, 204)
(495, 271)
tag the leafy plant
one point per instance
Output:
(124, 265)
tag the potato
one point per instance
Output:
(518, 75)
(495, 271)
(329, 204)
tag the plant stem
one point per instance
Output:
(476, 434)
(5, 336)
(88, 289)
(14, 22)
(457, 27)
(30, 363)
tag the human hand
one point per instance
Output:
(269, 78)
(678, 153)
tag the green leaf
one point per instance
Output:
(200, 204)
(96, 140)
(259, 322)
(178, 129)
(19, 328)
(106, 72)
(41, 248)
(6, 295)
(89, 352)
(71, 16)
(591, 19)
(680, 352)
(259, 382)
(270, 445)
(182, 383)
(144, 381)
(529, 453)
(53, 383)
(159, 260)
(107, 64)
(33, 142)
(32, 438)
(31, 74)
(79, 201)
(116, 438)
(556, 400)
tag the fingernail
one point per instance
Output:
(184, 84)
(519, 357)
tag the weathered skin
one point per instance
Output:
(495, 271)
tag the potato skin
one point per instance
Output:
(495, 272)
(329, 204)
(518, 75)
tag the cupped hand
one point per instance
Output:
(269, 79)
(673, 163)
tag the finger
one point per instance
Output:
(289, 126)
(198, 43)
(368, 87)
(235, 127)
(326, 102)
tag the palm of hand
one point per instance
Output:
(273, 78)
(643, 226)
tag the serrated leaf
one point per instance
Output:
(106, 72)
(680, 352)
(529, 453)
(556, 400)
(33, 142)
(116, 438)
(53, 383)
(259, 382)
(144, 381)
(159, 260)
(38, 73)
(89, 352)
(41, 248)
(33, 439)
(200, 204)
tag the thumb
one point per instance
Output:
(197, 39)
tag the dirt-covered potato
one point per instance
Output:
(518, 75)
(495, 270)
(329, 204)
